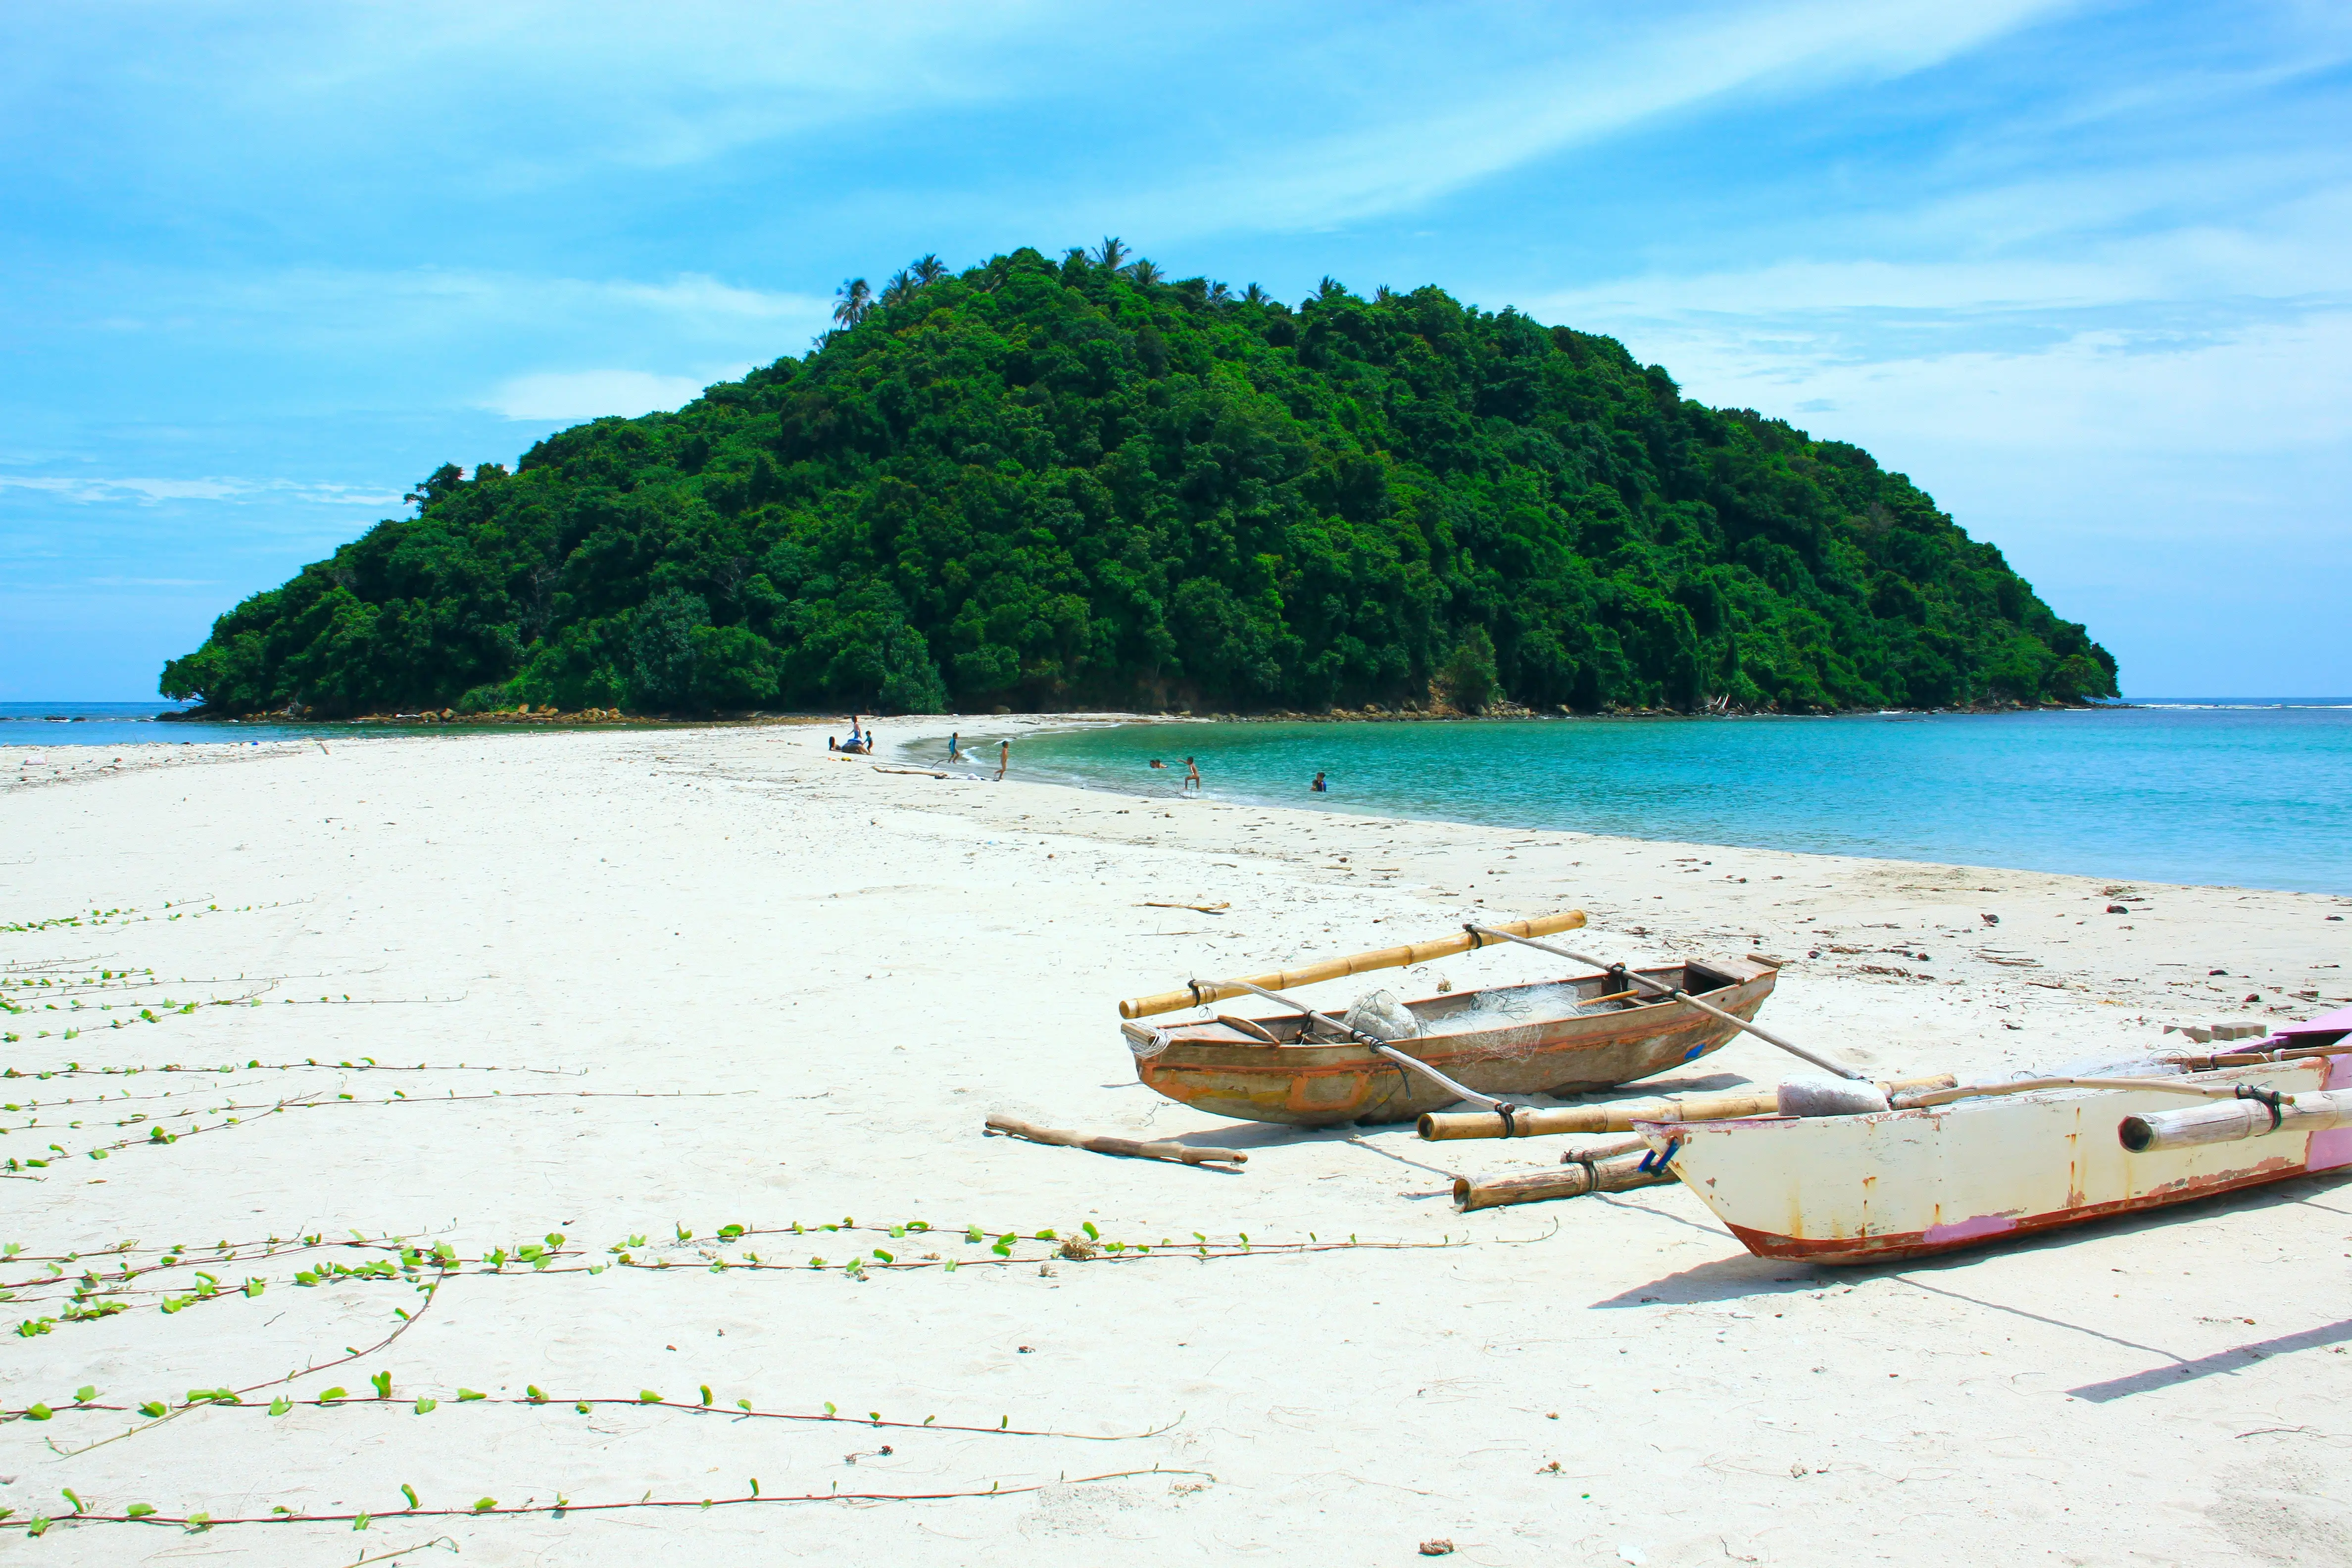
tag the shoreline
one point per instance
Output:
(911, 729)
(1371, 713)
(661, 982)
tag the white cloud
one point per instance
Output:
(698, 294)
(1416, 152)
(593, 394)
(84, 489)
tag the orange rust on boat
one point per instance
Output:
(1214, 1068)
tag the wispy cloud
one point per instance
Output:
(593, 394)
(1429, 141)
(93, 489)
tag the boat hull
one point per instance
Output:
(1912, 1184)
(1216, 1069)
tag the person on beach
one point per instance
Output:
(1003, 758)
(955, 753)
(1318, 786)
(1192, 777)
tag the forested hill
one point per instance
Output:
(1044, 484)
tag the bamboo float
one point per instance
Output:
(2234, 1120)
(1619, 1116)
(1201, 996)
(1176, 1154)
(1574, 1179)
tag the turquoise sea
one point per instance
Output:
(2248, 793)
(124, 724)
(2252, 792)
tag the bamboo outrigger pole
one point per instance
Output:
(1200, 992)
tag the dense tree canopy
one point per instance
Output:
(1044, 484)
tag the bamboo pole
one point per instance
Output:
(1619, 1116)
(1200, 993)
(1179, 1153)
(2233, 1119)
(2248, 1058)
(1917, 1099)
(1619, 1174)
(1535, 1120)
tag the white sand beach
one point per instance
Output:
(664, 982)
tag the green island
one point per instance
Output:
(1046, 485)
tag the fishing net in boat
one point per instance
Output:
(1381, 1016)
(1820, 1094)
(1528, 1005)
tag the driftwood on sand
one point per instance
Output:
(1179, 1153)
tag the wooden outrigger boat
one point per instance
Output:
(1997, 1161)
(1565, 1036)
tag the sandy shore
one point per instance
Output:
(669, 981)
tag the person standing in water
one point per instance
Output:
(1192, 777)
(1318, 786)
(954, 753)
(1003, 758)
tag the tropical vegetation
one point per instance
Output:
(1043, 483)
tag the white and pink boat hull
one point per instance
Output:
(1906, 1183)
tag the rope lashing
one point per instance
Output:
(2269, 1098)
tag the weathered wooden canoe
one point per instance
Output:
(1501, 1040)
(1905, 1183)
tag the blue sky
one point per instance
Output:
(2080, 270)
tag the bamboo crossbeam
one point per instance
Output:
(1531, 1122)
(1340, 968)
(1620, 1116)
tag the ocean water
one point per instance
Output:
(2247, 793)
(124, 724)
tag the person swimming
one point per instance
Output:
(1318, 786)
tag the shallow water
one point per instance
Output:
(2253, 795)
(126, 725)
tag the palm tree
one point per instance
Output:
(1144, 274)
(1330, 286)
(1221, 294)
(1108, 254)
(1384, 294)
(929, 268)
(900, 289)
(1253, 295)
(854, 298)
